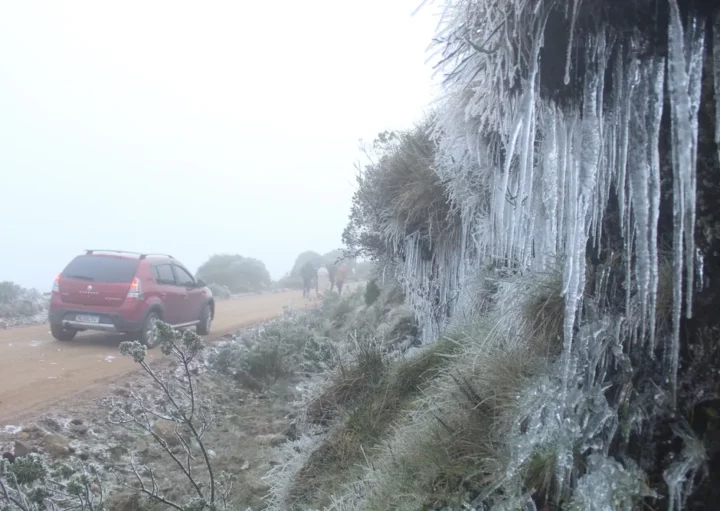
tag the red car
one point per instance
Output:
(127, 292)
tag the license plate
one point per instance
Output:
(87, 319)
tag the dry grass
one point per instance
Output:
(344, 389)
(455, 447)
(377, 406)
(432, 430)
(400, 194)
(544, 311)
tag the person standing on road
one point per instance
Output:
(340, 275)
(308, 274)
(331, 268)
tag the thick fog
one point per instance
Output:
(194, 128)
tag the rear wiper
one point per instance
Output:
(80, 277)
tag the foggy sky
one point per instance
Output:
(194, 128)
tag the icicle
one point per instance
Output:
(655, 100)
(598, 198)
(576, 4)
(695, 52)
(639, 177)
(683, 136)
(629, 83)
(527, 142)
(549, 182)
(626, 83)
(716, 72)
(644, 180)
(563, 151)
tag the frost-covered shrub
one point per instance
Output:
(9, 292)
(282, 346)
(177, 423)
(21, 304)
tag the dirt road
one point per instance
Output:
(37, 371)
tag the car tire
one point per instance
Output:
(61, 333)
(205, 324)
(149, 335)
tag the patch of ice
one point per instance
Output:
(11, 430)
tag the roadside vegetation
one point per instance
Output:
(20, 306)
(168, 440)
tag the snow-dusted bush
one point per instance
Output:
(294, 342)
(19, 306)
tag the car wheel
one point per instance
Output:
(149, 333)
(205, 324)
(61, 333)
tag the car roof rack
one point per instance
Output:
(142, 255)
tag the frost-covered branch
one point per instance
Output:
(189, 416)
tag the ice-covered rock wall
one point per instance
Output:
(532, 170)
(569, 134)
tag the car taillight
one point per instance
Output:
(135, 291)
(56, 284)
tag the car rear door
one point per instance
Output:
(194, 297)
(172, 296)
(97, 280)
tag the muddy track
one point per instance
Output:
(36, 371)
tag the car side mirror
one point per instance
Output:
(201, 283)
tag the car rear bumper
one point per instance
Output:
(109, 321)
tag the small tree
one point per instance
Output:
(190, 416)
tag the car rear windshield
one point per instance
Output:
(95, 268)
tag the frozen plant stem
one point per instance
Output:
(182, 415)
